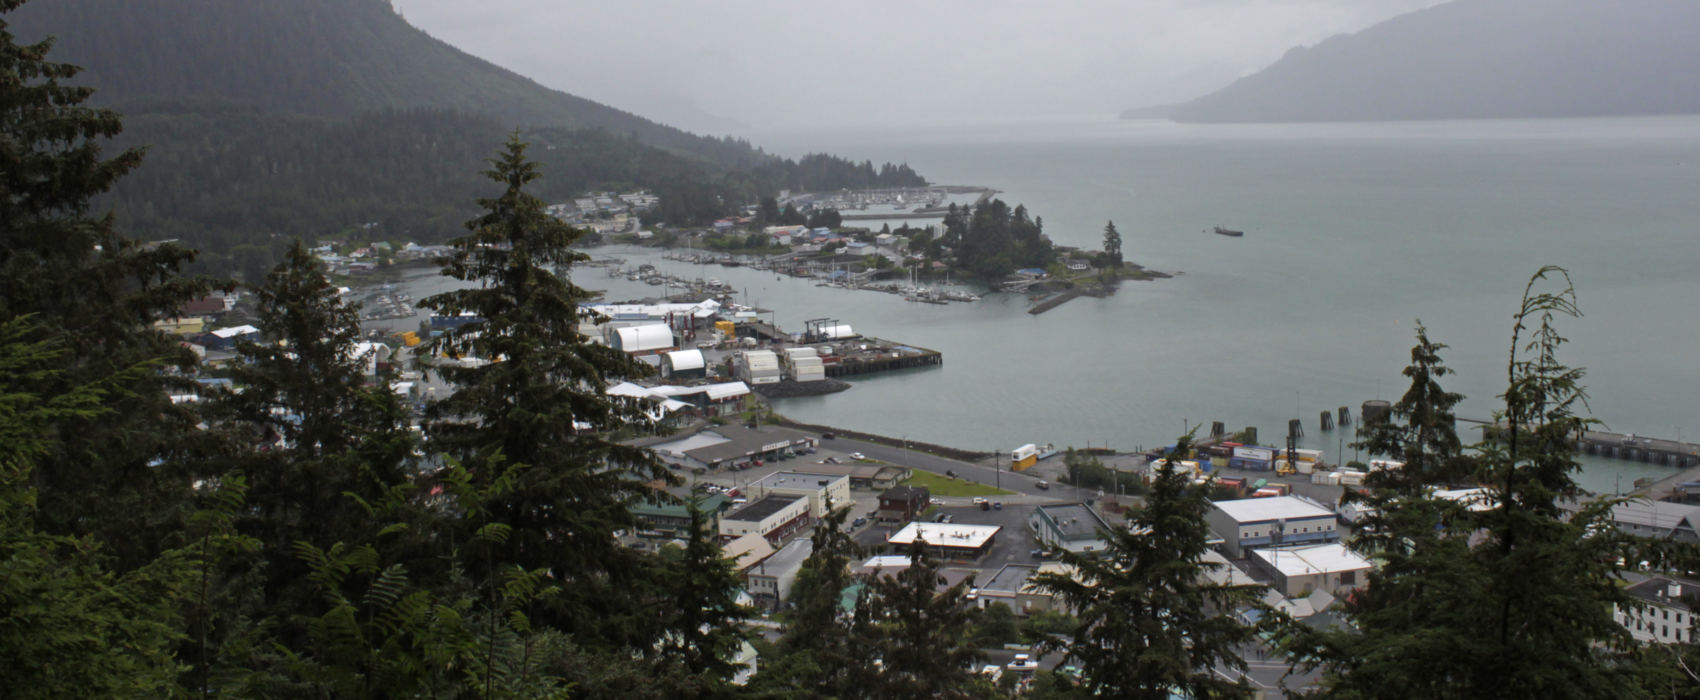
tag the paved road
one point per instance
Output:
(1019, 483)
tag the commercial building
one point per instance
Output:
(729, 446)
(770, 581)
(774, 518)
(1075, 527)
(1666, 618)
(818, 489)
(950, 540)
(1298, 571)
(900, 504)
(673, 520)
(1656, 519)
(758, 367)
(867, 477)
(1274, 521)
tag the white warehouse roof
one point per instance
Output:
(645, 338)
(1254, 510)
(945, 534)
(234, 331)
(686, 359)
(1312, 559)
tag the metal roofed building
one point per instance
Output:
(770, 581)
(1075, 527)
(1658, 519)
(673, 520)
(775, 518)
(1297, 571)
(641, 340)
(948, 539)
(1668, 618)
(730, 446)
(684, 364)
(862, 476)
(1275, 521)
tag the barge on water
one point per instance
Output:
(1229, 232)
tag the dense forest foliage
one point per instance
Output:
(991, 239)
(238, 184)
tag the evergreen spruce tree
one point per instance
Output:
(918, 632)
(1113, 244)
(1151, 623)
(96, 291)
(703, 618)
(819, 652)
(1421, 431)
(1511, 601)
(69, 625)
(323, 436)
(532, 397)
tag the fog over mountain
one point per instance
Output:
(771, 63)
(1479, 59)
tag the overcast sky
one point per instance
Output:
(806, 63)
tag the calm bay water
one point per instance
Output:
(1353, 233)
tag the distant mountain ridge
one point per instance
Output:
(1479, 59)
(330, 58)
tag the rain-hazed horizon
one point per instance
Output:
(758, 64)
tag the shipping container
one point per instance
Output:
(1263, 454)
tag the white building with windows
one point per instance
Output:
(1271, 522)
(1666, 615)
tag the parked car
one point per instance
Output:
(1023, 663)
(979, 500)
(858, 522)
(857, 455)
(827, 436)
(997, 505)
(1043, 484)
(985, 506)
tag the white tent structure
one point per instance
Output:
(647, 339)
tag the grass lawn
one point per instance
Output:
(946, 486)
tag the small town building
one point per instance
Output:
(729, 446)
(672, 521)
(901, 504)
(1666, 617)
(948, 540)
(775, 518)
(680, 365)
(1274, 521)
(770, 580)
(747, 551)
(1297, 571)
(817, 488)
(867, 477)
(1075, 527)
(1657, 519)
(227, 338)
(648, 339)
